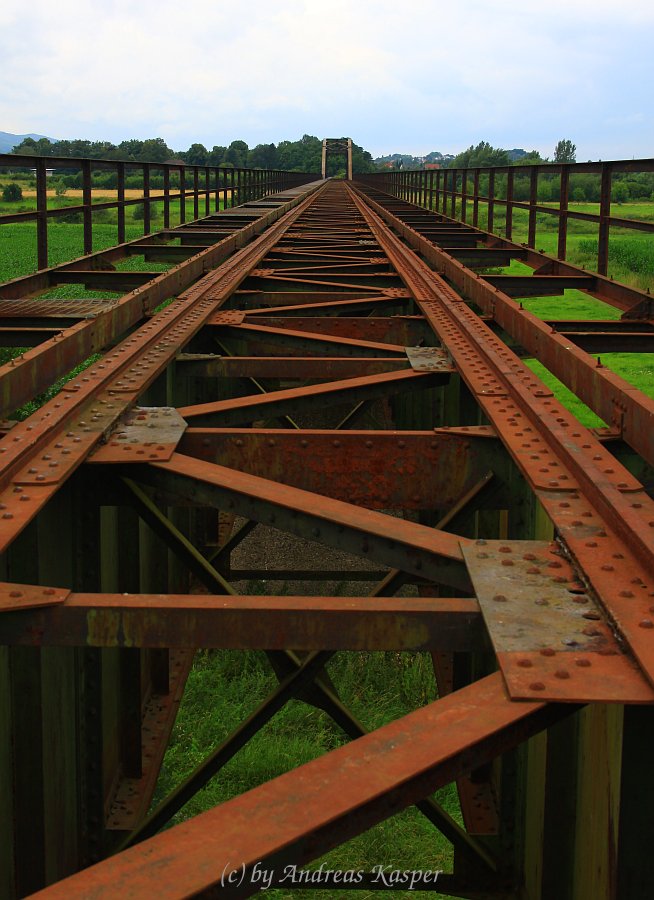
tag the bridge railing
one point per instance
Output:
(489, 197)
(172, 186)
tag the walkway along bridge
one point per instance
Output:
(526, 539)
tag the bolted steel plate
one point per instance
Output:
(28, 596)
(552, 639)
(429, 359)
(145, 434)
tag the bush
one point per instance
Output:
(12, 193)
(71, 219)
(620, 192)
(138, 212)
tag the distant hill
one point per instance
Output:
(8, 140)
(413, 162)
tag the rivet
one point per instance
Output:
(561, 673)
(547, 651)
(646, 623)
(537, 686)
(499, 598)
(525, 663)
(582, 663)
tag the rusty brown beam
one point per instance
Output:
(248, 622)
(304, 813)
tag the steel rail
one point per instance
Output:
(620, 404)
(34, 371)
(65, 429)
(577, 478)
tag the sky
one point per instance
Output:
(406, 77)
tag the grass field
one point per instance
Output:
(631, 254)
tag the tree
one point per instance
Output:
(237, 154)
(482, 155)
(155, 150)
(620, 192)
(197, 155)
(263, 156)
(565, 152)
(12, 193)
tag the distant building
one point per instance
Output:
(432, 165)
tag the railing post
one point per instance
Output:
(533, 202)
(491, 200)
(207, 191)
(464, 194)
(438, 189)
(120, 185)
(563, 212)
(475, 199)
(508, 221)
(455, 175)
(182, 195)
(42, 213)
(196, 193)
(87, 200)
(166, 181)
(604, 224)
(146, 198)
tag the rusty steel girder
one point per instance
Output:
(323, 381)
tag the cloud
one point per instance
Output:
(433, 75)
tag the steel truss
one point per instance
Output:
(319, 375)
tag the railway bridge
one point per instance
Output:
(348, 363)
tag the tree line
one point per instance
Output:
(582, 188)
(304, 155)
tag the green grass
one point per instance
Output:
(66, 240)
(631, 254)
(225, 686)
